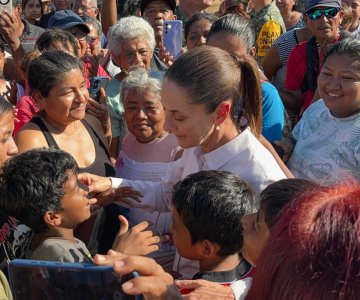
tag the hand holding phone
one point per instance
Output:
(96, 83)
(172, 37)
(6, 5)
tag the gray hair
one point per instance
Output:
(139, 80)
(130, 28)
(92, 21)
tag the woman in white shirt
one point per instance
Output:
(200, 92)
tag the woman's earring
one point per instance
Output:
(217, 127)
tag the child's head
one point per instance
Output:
(273, 200)
(207, 208)
(40, 188)
(339, 79)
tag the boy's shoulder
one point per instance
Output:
(57, 249)
(242, 270)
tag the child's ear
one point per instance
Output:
(208, 249)
(52, 218)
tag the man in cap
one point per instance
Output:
(156, 12)
(323, 18)
(86, 7)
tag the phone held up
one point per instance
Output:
(172, 37)
(6, 5)
(96, 83)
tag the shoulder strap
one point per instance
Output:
(49, 138)
(91, 129)
(312, 66)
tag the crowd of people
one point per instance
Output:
(230, 172)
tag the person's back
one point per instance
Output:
(40, 188)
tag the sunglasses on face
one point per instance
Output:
(328, 13)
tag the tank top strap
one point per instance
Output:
(95, 136)
(49, 138)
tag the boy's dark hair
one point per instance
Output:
(211, 204)
(279, 194)
(32, 183)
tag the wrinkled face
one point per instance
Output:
(230, 43)
(198, 32)
(339, 85)
(182, 237)
(94, 40)
(75, 203)
(324, 28)
(134, 53)
(256, 234)
(84, 7)
(285, 5)
(67, 100)
(62, 4)
(156, 12)
(32, 10)
(144, 114)
(81, 37)
(8, 147)
(190, 123)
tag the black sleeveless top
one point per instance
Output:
(102, 165)
(107, 224)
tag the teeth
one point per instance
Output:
(333, 95)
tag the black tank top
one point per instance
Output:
(101, 166)
(107, 225)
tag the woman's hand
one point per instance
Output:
(137, 240)
(102, 189)
(288, 146)
(100, 110)
(154, 283)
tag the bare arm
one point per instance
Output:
(8, 30)
(271, 62)
(108, 15)
(279, 161)
(292, 100)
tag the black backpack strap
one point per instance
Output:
(312, 66)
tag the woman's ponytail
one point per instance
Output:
(250, 91)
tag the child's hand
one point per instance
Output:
(137, 240)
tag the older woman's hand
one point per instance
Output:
(203, 290)
(100, 110)
(154, 283)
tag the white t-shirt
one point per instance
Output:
(327, 148)
(244, 156)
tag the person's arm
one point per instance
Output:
(153, 283)
(271, 62)
(108, 15)
(30, 137)
(9, 29)
(292, 100)
(279, 161)
(288, 145)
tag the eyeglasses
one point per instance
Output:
(328, 12)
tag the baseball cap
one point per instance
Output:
(310, 4)
(65, 19)
(171, 3)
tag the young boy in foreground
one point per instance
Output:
(207, 211)
(40, 188)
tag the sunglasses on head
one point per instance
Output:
(328, 12)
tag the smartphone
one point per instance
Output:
(172, 37)
(96, 83)
(6, 5)
(34, 279)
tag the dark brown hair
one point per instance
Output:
(211, 76)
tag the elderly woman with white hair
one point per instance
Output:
(131, 44)
(148, 151)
